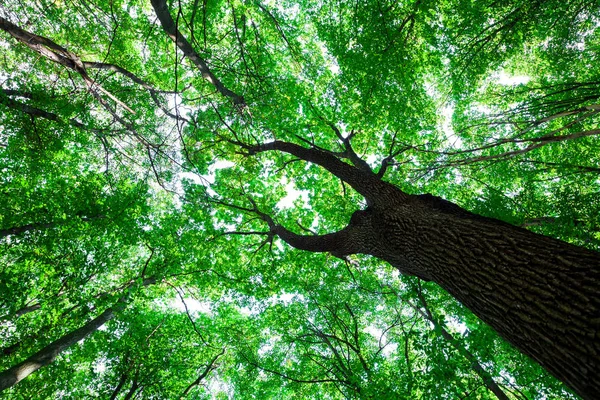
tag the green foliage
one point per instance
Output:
(144, 188)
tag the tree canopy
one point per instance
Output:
(160, 159)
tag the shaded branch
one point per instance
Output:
(169, 26)
(187, 312)
(290, 378)
(17, 230)
(551, 165)
(373, 189)
(58, 54)
(486, 377)
(34, 111)
(153, 91)
(536, 143)
(339, 244)
(348, 151)
(209, 367)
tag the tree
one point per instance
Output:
(48, 354)
(191, 126)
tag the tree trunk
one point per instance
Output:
(21, 311)
(38, 226)
(119, 387)
(540, 294)
(48, 354)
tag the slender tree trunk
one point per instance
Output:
(34, 307)
(38, 226)
(48, 354)
(134, 387)
(21, 311)
(119, 387)
(33, 337)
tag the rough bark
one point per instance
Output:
(540, 294)
(48, 354)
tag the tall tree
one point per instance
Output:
(252, 151)
(539, 293)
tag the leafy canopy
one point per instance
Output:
(123, 171)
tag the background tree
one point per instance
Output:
(155, 140)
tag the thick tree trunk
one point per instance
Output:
(540, 294)
(48, 354)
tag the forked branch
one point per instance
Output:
(60, 55)
(373, 189)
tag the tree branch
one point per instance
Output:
(209, 367)
(485, 376)
(350, 240)
(162, 12)
(153, 91)
(48, 354)
(373, 189)
(34, 111)
(352, 156)
(285, 376)
(54, 52)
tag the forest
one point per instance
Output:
(276, 199)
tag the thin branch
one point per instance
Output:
(187, 312)
(207, 369)
(162, 12)
(366, 183)
(37, 112)
(153, 91)
(285, 376)
(485, 376)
